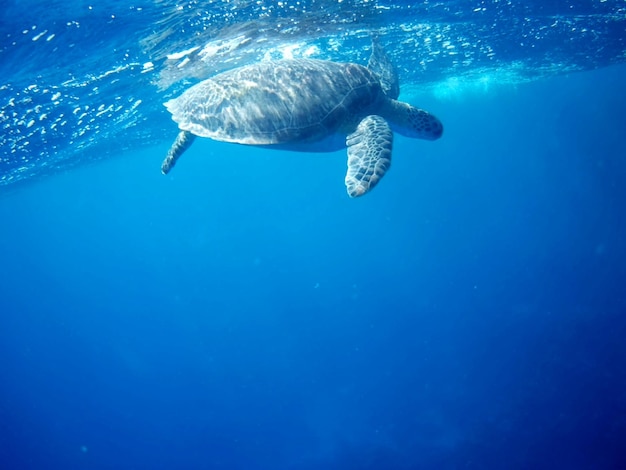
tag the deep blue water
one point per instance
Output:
(470, 312)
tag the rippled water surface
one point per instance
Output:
(80, 76)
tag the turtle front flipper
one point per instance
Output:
(369, 155)
(381, 66)
(183, 140)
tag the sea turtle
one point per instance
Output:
(305, 105)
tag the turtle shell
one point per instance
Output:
(277, 102)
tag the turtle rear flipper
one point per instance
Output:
(369, 155)
(183, 141)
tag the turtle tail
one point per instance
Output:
(183, 141)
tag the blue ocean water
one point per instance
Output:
(244, 313)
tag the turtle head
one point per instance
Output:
(410, 121)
